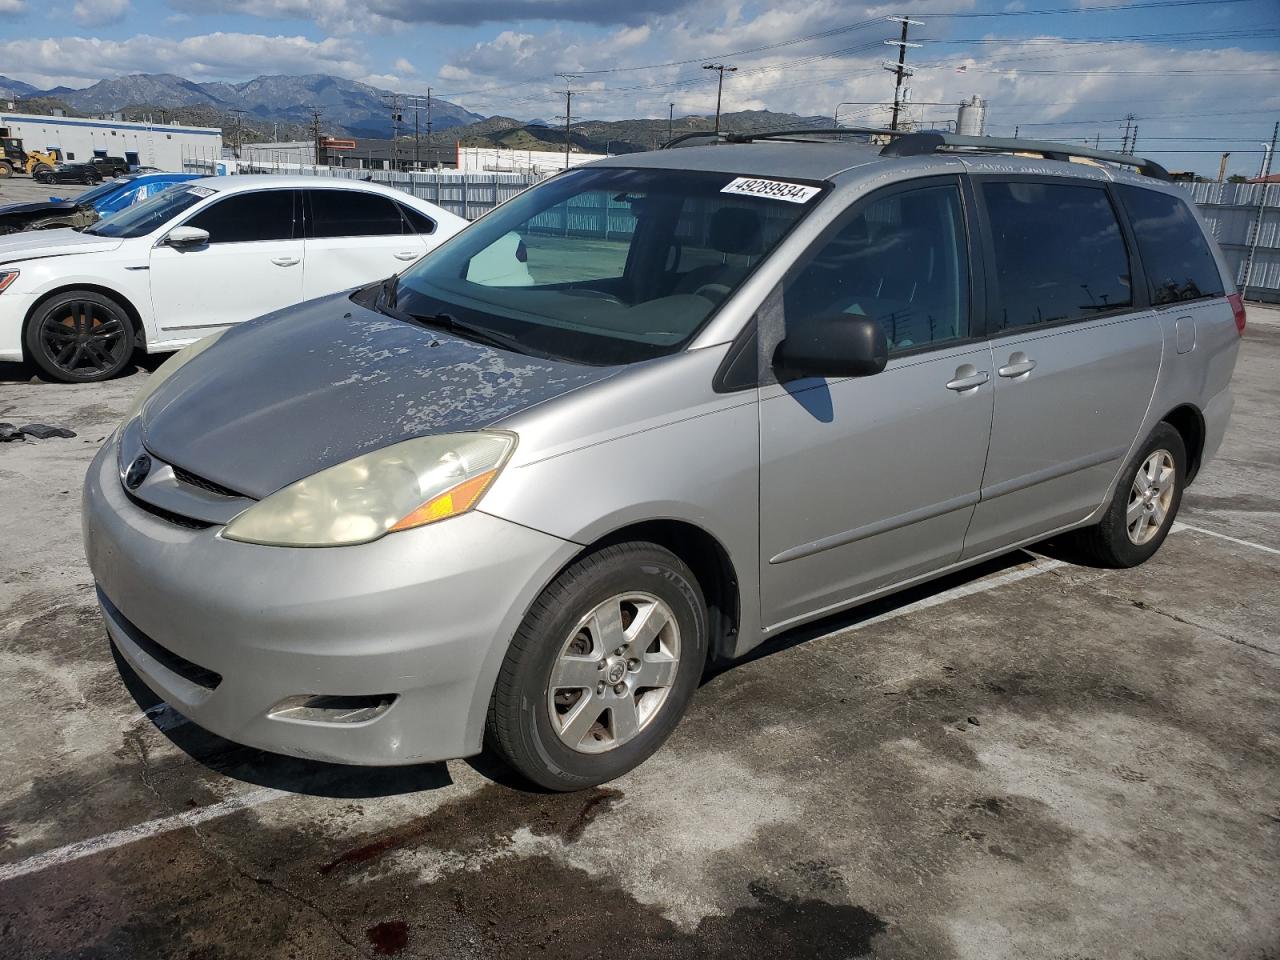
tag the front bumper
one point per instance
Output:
(13, 314)
(424, 615)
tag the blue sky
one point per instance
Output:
(1196, 74)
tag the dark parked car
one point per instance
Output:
(110, 166)
(70, 173)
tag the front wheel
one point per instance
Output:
(1144, 506)
(80, 337)
(602, 668)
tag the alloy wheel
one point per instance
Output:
(614, 672)
(84, 338)
(1150, 497)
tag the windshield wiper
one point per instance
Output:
(469, 331)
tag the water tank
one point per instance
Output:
(972, 118)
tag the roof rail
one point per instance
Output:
(802, 134)
(933, 141)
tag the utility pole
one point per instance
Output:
(1222, 167)
(568, 79)
(1256, 230)
(1133, 141)
(900, 71)
(1129, 118)
(671, 121)
(315, 134)
(239, 131)
(721, 67)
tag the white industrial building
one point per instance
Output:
(164, 146)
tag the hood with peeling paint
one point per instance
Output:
(279, 398)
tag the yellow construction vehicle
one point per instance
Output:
(15, 160)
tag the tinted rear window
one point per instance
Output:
(1175, 254)
(418, 222)
(353, 213)
(1059, 252)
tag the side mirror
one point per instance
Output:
(838, 345)
(187, 237)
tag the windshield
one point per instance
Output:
(143, 218)
(604, 265)
(97, 193)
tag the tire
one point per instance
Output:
(41, 170)
(6, 170)
(563, 737)
(80, 337)
(1111, 542)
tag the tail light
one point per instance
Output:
(1237, 310)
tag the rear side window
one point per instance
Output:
(1059, 253)
(901, 260)
(418, 222)
(353, 213)
(1175, 254)
(248, 217)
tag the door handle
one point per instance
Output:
(1018, 365)
(968, 381)
(407, 255)
(285, 261)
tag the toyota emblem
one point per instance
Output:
(137, 472)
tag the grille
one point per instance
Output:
(177, 519)
(191, 672)
(189, 478)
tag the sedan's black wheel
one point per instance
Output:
(602, 669)
(1144, 505)
(80, 337)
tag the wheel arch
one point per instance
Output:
(139, 328)
(710, 562)
(1189, 422)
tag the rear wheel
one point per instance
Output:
(41, 170)
(80, 337)
(1144, 505)
(6, 170)
(602, 669)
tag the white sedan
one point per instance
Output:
(197, 258)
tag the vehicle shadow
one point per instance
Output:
(24, 372)
(262, 768)
(849, 619)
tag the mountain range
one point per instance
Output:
(282, 108)
(345, 106)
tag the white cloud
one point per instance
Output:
(77, 61)
(13, 6)
(404, 66)
(96, 13)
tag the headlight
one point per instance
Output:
(168, 369)
(399, 487)
(7, 277)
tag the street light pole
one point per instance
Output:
(719, 86)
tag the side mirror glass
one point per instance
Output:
(837, 345)
(187, 237)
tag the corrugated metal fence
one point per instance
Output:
(1231, 210)
(468, 195)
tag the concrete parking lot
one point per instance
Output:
(24, 189)
(1033, 760)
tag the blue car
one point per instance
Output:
(90, 206)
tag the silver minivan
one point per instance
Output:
(648, 415)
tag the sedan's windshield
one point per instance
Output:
(150, 215)
(97, 193)
(606, 265)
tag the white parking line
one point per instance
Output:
(1041, 565)
(255, 798)
(152, 828)
(1179, 525)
